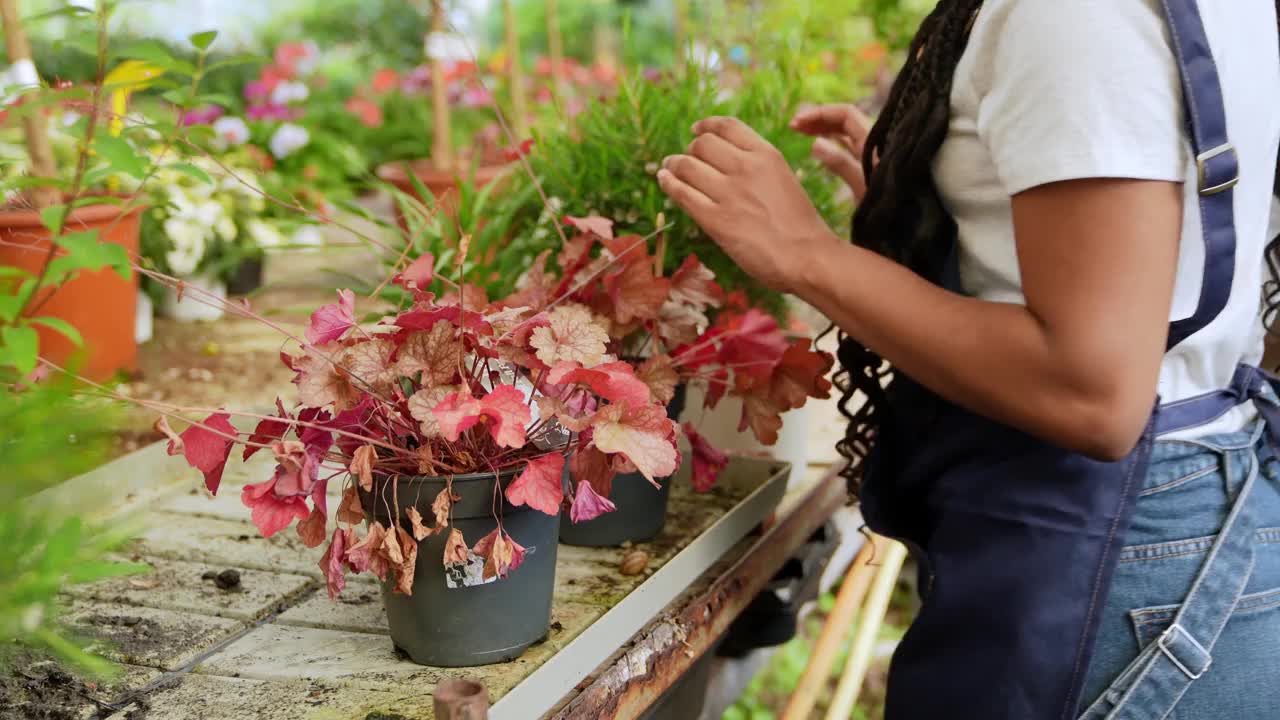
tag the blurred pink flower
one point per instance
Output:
(369, 113)
(297, 58)
(385, 80)
(268, 111)
(201, 115)
(475, 97)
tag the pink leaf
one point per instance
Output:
(643, 435)
(456, 414)
(422, 405)
(694, 284)
(593, 225)
(268, 431)
(708, 462)
(616, 381)
(508, 415)
(332, 321)
(332, 564)
(312, 529)
(207, 446)
(419, 274)
(587, 505)
(752, 343)
(501, 553)
(272, 513)
(297, 470)
(539, 486)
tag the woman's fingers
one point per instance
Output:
(696, 174)
(687, 197)
(716, 152)
(846, 122)
(732, 129)
(843, 164)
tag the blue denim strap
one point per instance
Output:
(1217, 164)
(1156, 680)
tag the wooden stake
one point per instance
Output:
(555, 47)
(442, 144)
(519, 100)
(34, 126)
(864, 640)
(460, 699)
(852, 590)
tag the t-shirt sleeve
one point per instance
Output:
(1078, 89)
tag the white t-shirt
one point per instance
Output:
(1051, 90)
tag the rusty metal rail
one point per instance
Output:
(638, 675)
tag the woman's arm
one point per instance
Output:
(1077, 366)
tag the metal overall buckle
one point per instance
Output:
(1168, 652)
(1202, 169)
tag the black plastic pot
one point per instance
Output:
(642, 508)
(247, 277)
(472, 625)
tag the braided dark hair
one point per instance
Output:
(902, 216)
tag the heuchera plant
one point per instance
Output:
(613, 285)
(439, 389)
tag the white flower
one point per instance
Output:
(226, 228)
(307, 235)
(288, 139)
(231, 131)
(265, 234)
(188, 248)
(289, 92)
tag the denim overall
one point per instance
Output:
(1018, 540)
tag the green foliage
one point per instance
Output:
(49, 437)
(646, 28)
(381, 33)
(606, 164)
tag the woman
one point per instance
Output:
(1055, 236)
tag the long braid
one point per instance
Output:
(902, 216)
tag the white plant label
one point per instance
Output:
(470, 574)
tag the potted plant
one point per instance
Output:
(677, 331)
(449, 422)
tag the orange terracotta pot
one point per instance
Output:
(101, 305)
(442, 184)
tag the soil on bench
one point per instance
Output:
(34, 688)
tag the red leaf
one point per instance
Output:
(512, 154)
(425, 319)
(762, 416)
(508, 415)
(636, 293)
(799, 375)
(206, 449)
(590, 465)
(456, 414)
(332, 321)
(539, 486)
(694, 284)
(616, 382)
(708, 462)
(312, 530)
(752, 343)
(418, 276)
(592, 225)
(272, 513)
(367, 554)
(587, 505)
(423, 404)
(644, 435)
(501, 553)
(333, 563)
(297, 470)
(268, 431)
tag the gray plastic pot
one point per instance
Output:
(482, 624)
(642, 508)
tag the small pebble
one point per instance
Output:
(227, 579)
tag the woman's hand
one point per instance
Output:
(742, 192)
(841, 132)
